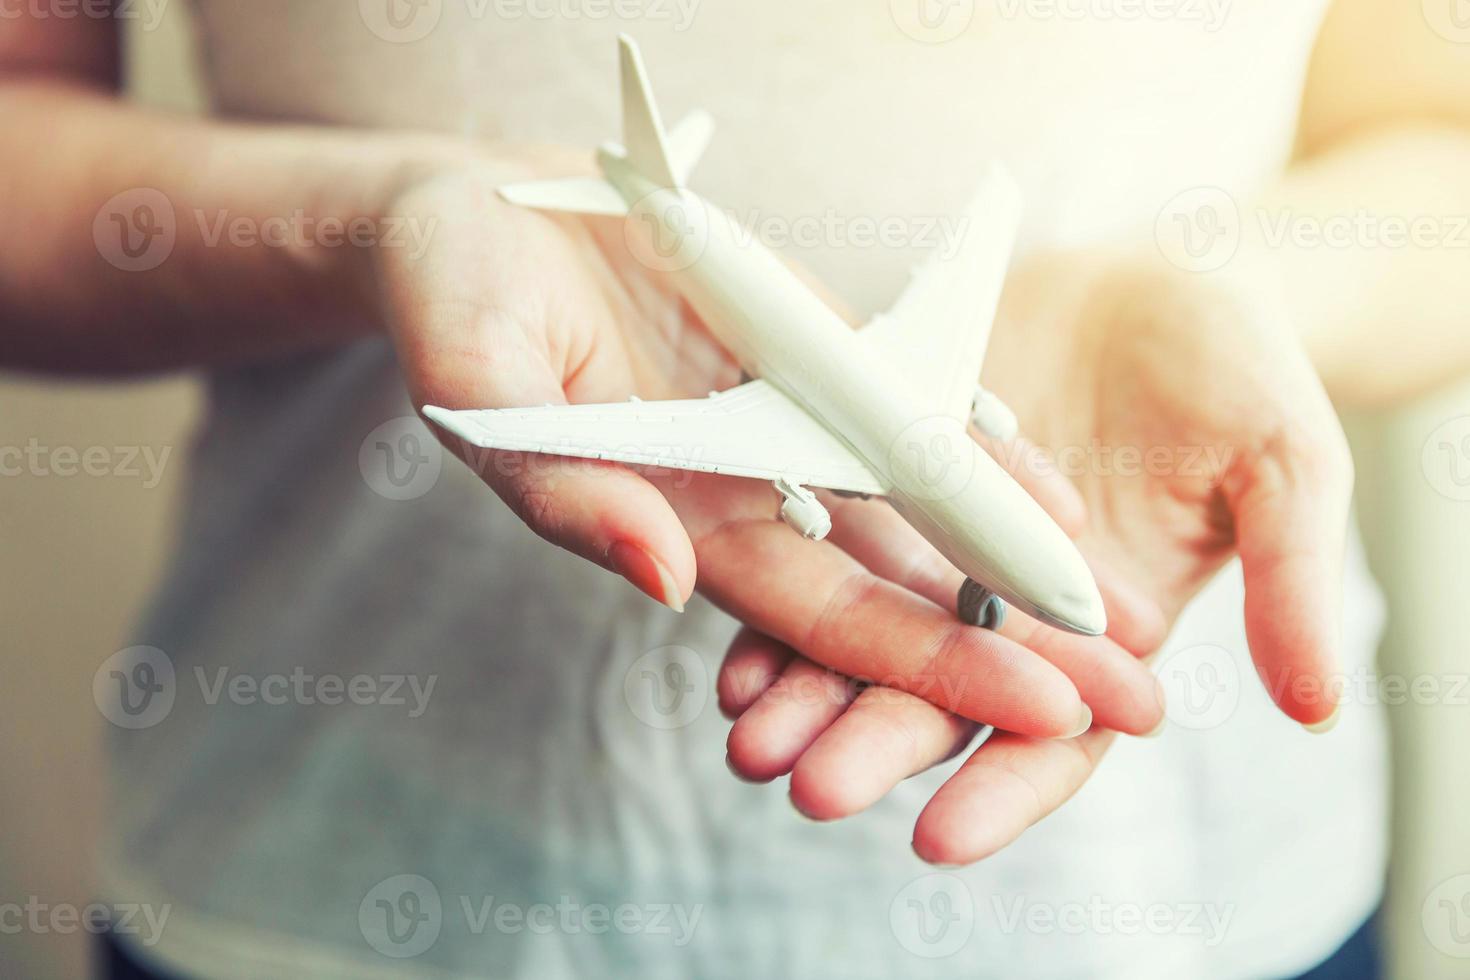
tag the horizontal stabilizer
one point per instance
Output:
(583, 195)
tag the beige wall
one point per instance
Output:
(80, 552)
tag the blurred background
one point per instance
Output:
(81, 553)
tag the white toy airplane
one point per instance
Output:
(877, 411)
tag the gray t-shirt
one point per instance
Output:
(393, 733)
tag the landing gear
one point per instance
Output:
(980, 607)
(801, 509)
(992, 417)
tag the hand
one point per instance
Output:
(1197, 430)
(513, 307)
(1102, 358)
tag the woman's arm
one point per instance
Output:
(1368, 233)
(137, 240)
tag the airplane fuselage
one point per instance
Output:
(942, 482)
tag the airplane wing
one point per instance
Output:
(751, 431)
(936, 333)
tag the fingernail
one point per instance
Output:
(1326, 724)
(647, 573)
(1083, 724)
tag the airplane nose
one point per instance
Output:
(1062, 591)
(1078, 613)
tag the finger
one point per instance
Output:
(1290, 504)
(751, 666)
(826, 606)
(884, 738)
(1135, 622)
(771, 735)
(1006, 785)
(876, 534)
(602, 511)
(1121, 691)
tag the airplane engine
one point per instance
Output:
(803, 512)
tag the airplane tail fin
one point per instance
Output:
(643, 132)
(663, 158)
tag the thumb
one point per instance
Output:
(600, 510)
